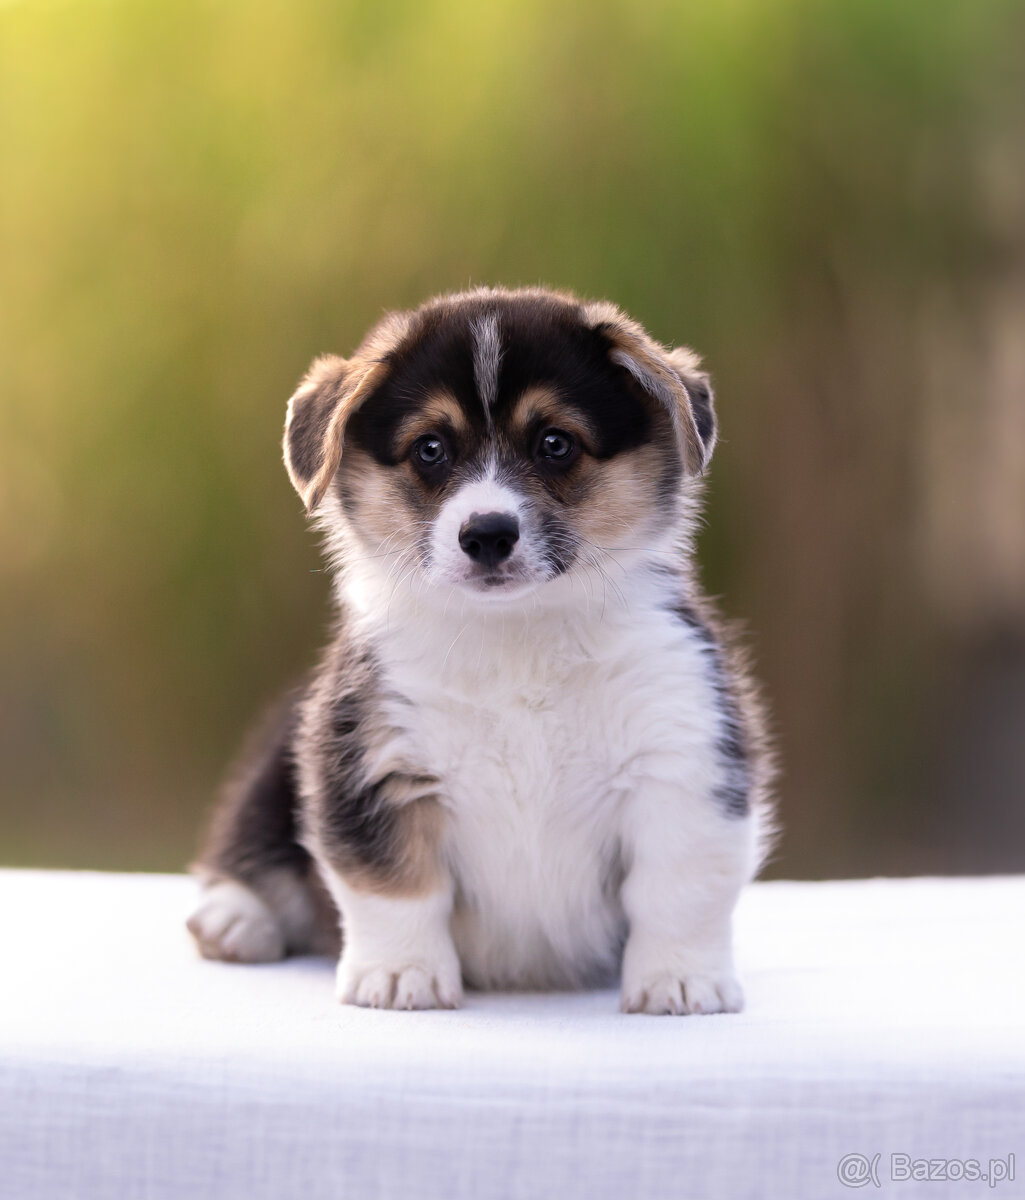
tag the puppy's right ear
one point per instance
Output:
(330, 392)
(307, 426)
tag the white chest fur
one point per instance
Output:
(541, 727)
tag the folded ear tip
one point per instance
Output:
(311, 492)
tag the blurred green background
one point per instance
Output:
(826, 198)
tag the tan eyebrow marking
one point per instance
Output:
(543, 404)
(439, 409)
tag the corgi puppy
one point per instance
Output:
(528, 758)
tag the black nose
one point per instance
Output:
(488, 538)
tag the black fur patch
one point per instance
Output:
(555, 350)
(255, 826)
(544, 343)
(439, 357)
(352, 814)
(354, 822)
(734, 793)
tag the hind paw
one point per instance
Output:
(233, 924)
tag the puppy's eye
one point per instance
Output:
(555, 445)
(429, 451)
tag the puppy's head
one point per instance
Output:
(496, 440)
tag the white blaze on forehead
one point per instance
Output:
(487, 357)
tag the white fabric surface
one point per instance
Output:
(883, 1016)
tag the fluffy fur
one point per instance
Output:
(528, 757)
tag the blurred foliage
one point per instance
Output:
(823, 196)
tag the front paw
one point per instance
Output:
(666, 993)
(408, 985)
(675, 986)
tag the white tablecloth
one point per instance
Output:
(884, 1017)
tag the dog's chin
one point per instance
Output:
(495, 588)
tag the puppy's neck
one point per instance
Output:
(583, 616)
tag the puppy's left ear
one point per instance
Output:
(672, 377)
(687, 364)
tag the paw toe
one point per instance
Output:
(415, 989)
(376, 989)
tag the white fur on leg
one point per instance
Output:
(397, 951)
(667, 978)
(688, 864)
(232, 923)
